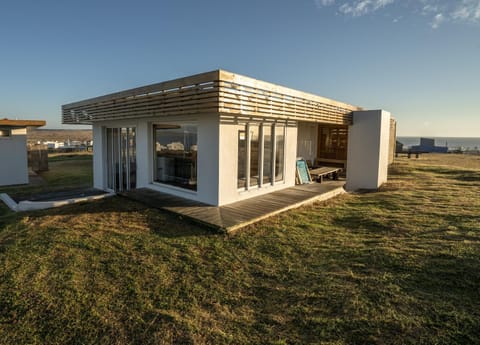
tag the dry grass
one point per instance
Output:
(459, 161)
(41, 134)
(395, 267)
(66, 171)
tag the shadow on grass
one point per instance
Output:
(359, 222)
(399, 170)
(448, 283)
(459, 175)
(161, 223)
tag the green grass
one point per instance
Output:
(400, 266)
(66, 171)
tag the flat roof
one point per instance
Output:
(21, 123)
(225, 93)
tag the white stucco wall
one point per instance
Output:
(368, 144)
(13, 155)
(144, 142)
(307, 141)
(228, 166)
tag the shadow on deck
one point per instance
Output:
(234, 216)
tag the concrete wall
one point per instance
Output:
(228, 165)
(368, 150)
(13, 158)
(307, 141)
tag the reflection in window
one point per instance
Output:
(254, 153)
(332, 143)
(267, 153)
(5, 132)
(279, 152)
(242, 158)
(176, 155)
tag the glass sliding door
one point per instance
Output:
(242, 157)
(254, 155)
(121, 159)
(267, 154)
(279, 152)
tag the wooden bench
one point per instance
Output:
(408, 153)
(319, 173)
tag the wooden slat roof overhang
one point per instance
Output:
(228, 94)
(7, 123)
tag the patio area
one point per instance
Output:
(239, 214)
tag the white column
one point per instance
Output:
(13, 157)
(144, 149)
(208, 158)
(368, 143)
(98, 156)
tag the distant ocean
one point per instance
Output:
(450, 142)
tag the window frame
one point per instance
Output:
(154, 177)
(273, 127)
(5, 133)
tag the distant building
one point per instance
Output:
(51, 145)
(427, 145)
(13, 150)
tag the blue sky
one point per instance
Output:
(420, 59)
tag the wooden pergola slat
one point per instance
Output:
(219, 92)
(21, 123)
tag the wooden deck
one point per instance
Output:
(234, 216)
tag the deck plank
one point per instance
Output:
(241, 213)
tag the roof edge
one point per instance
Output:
(172, 83)
(22, 123)
(268, 86)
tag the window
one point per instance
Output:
(332, 143)
(176, 155)
(267, 153)
(5, 133)
(261, 155)
(254, 155)
(279, 152)
(242, 158)
(121, 160)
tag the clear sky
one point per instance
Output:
(418, 59)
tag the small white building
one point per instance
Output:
(52, 145)
(13, 150)
(219, 137)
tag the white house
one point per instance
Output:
(219, 137)
(13, 150)
(52, 145)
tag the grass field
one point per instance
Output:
(400, 266)
(66, 171)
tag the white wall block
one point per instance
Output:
(144, 153)
(99, 156)
(368, 142)
(13, 155)
(208, 159)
